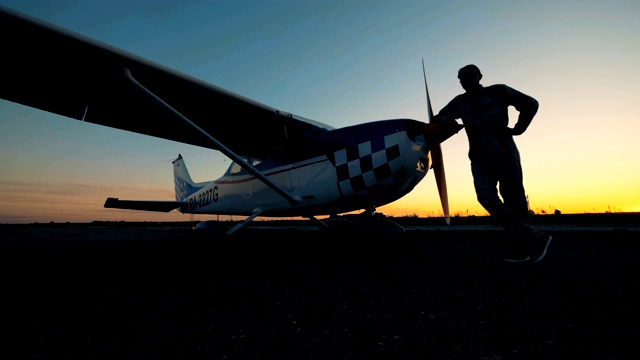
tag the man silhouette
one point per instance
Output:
(495, 160)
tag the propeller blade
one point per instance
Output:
(436, 158)
(441, 181)
(429, 109)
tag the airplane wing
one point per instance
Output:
(148, 205)
(53, 69)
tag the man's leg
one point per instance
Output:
(512, 189)
(486, 183)
(513, 193)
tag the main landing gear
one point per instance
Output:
(369, 221)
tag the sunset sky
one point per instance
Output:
(345, 63)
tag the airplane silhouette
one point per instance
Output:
(283, 165)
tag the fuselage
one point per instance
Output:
(357, 167)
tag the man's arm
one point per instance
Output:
(446, 120)
(526, 105)
(447, 114)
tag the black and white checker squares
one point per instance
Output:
(372, 166)
(183, 188)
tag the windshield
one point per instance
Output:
(235, 168)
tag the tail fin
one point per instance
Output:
(185, 186)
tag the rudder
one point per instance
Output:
(185, 186)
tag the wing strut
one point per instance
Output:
(255, 214)
(293, 200)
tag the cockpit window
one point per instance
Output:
(235, 168)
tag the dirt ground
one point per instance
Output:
(151, 292)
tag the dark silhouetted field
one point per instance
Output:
(160, 290)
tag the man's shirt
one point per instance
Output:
(485, 115)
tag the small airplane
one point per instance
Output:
(283, 165)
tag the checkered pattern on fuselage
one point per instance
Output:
(183, 188)
(370, 166)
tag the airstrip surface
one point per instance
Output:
(147, 291)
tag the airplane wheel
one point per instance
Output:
(380, 226)
(339, 224)
(384, 225)
(373, 226)
(210, 228)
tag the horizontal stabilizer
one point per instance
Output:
(148, 205)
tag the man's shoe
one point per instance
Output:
(518, 254)
(514, 259)
(539, 247)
